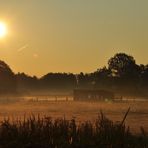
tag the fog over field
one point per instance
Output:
(81, 111)
(73, 74)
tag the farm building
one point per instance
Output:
(92, 94)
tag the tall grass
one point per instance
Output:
(44, 132)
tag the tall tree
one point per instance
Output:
(123, 65)
(7, 79)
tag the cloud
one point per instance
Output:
(22, 48)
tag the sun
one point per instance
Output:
(3, 29)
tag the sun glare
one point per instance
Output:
(3, 29)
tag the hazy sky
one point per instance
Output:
(72, 35)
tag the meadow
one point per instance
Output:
(81, 111)
(73, 124)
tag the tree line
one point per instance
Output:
(122, 75)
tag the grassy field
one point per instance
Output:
(81, 111)
(44, 132)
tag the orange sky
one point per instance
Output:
(72, 36)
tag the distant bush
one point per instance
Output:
(43, 132)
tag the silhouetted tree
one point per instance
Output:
(125, 71)
(85, 80)
(58, 81)
(26, 82)
(123, 65)
(7, 79)
(144, 75)
(121, 75)
(102, 77)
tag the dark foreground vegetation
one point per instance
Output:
(43, 132)
(122, 75)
